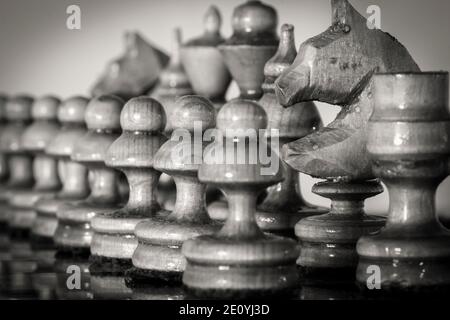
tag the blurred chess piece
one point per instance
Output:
(408, 138)
(45, 170)
(254, 41)
(173, 81)
(74, 232)
(143, 120)
(158, 254)
(240, 260)
(337, 67)
(18, 263)
(4, 171)
(73, 175)
(135, 72)
(201, 57)
(18, 116)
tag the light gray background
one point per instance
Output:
(40, 55)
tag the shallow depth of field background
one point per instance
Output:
(39, 55)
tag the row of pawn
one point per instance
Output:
(71, 198)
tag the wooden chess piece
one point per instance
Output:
(74, 186)
(283, 205)
(240, 260)
(158, 255)
(344, 57)
(135, 72)
(143, 120)
(408, 139)
(18, 115)
(74, 232)
(201, 57)
(4, 171)
(254, 41)
(73, 175)
(173, 81)
(16, 260)
(35, 139)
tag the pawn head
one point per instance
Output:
(143, 114)
(103, 113)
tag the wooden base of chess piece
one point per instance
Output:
(74, 232)
(143, 121)
(408, 137)
(328, 242)
(158, 255)
(73, 175)
(201, 57)
(239, 260)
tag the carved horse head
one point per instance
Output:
(336, 67)
(135, 72)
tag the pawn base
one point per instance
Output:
(407, 261)
(329, 240)
(338, 250)
(270, 268)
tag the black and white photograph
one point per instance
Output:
(227, 156)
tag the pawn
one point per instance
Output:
(284, 206)
(408, 138)
(173, 81)
(240, 260)
(4, 172)
(3, 161)
(18, 115)
(158, 254)
(142, 120)
(74, 232)
(35, 139)
(201, 57)
(73, 175)
(253, 42)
